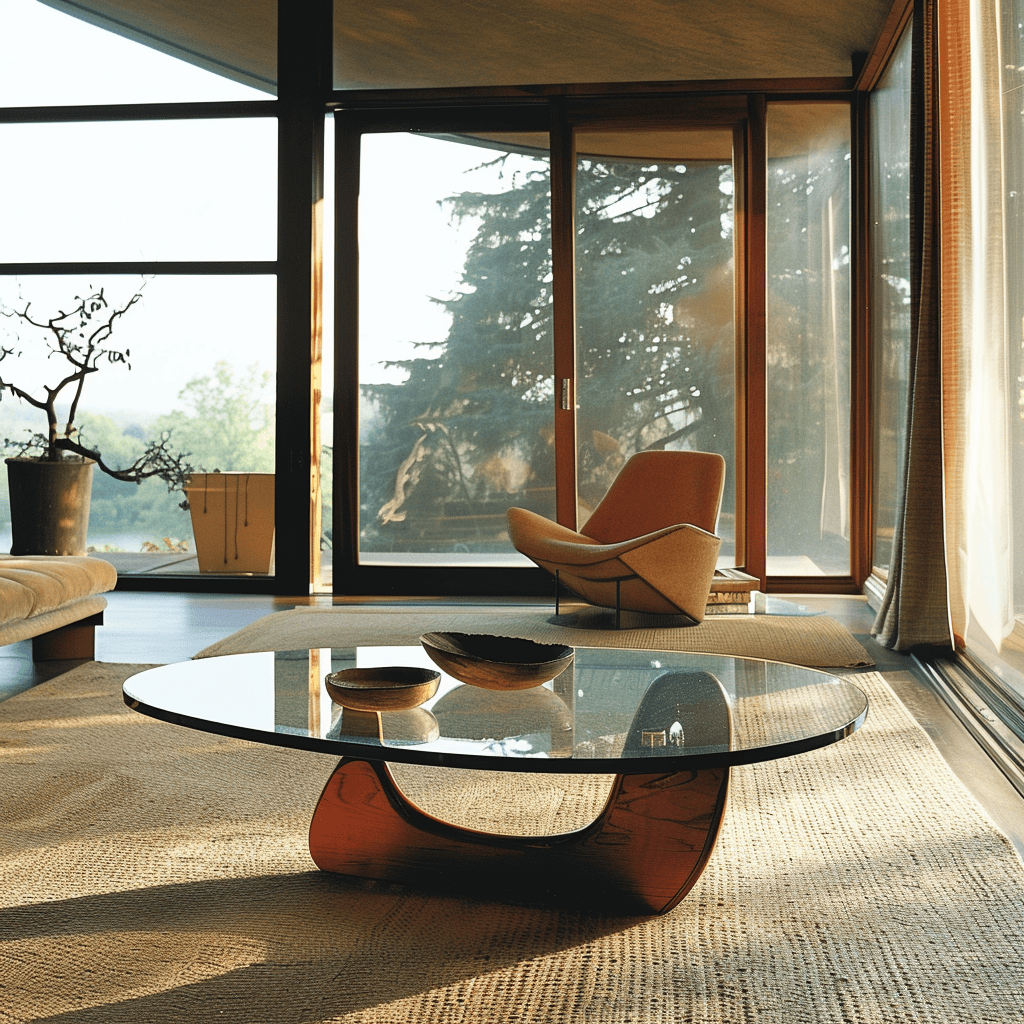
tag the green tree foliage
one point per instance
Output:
(655, 339)
(148, 510)
(225, 422)
(469, 432)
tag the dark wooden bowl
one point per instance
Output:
(496, 662)
(396, 688)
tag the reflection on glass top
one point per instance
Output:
(608, 706)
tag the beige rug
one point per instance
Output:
(149, 873)
(813, 640)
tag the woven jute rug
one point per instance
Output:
(816, 641)
(149, 873)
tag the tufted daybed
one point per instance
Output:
(56, 600)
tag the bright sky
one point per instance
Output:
(49, 58)
(409, 251)
(157, 190)
(200, 190)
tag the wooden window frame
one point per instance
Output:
(744, 113)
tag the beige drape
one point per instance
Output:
(955, 119)
(915, 608)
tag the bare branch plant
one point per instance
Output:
(79, 340)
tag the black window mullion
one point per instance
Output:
(301, 112)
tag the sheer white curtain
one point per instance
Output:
(978, 394)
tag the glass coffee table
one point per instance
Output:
(668, 726)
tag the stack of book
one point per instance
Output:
(731, 593)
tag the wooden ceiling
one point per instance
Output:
(405, 44)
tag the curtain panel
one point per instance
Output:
(955, 161)
(915, 607)
(952, 576)
(977, 386)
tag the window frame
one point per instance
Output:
(263, 109)
(304, 98)
(744, 114)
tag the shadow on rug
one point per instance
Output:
(150, 873)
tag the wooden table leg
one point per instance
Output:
(641, 855)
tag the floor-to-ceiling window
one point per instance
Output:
(1012, 64)
(675, 372)
(808, 339)
(153, 199)
(991, 392)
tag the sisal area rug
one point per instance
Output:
(815, 641)
(149, 873)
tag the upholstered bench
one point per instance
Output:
(56, 600)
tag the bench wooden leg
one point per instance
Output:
(73, 642)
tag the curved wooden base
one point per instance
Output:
(641, 855)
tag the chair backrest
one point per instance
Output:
(658, 489)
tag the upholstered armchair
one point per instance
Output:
(649, 546)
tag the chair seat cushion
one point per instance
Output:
(546, 541)
(667, 571)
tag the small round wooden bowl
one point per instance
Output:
(496, 662)
(396, 688)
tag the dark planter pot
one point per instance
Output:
(49, 506)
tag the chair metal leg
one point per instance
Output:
(557, 589)
(618, 604)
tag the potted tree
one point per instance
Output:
(50, 475)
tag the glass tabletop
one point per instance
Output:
(620, 711)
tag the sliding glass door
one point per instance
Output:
(522, 309)
(455, 345)
(655, 303)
